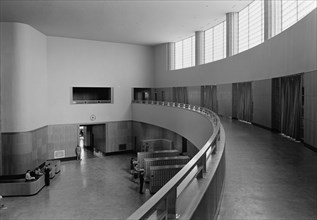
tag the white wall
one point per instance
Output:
(23, 78)
(74, 62)
(293, 51)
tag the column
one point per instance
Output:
(272, 18)
(232, 33)
(200, 47)
(171, 56)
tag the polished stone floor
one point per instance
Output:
(268, 177)
(97, 187)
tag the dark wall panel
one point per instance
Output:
(310, 108)
(119, 136)
(143, 131)
(194, 95)
(224, 97)
(62, 138)
(262, 100)
(23, 151)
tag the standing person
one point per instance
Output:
(47, 170)
(78, 152)
(1, 204)
(131, 165)
(141, 177)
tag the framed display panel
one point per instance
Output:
(91, 95)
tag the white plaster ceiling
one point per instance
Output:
(136, 22)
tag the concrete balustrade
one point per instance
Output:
(207, 168)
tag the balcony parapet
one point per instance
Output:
(206, 168)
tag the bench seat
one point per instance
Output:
(20, 187)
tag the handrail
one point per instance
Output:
(199, 159)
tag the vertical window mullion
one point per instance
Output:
(248, 27)
(182, 54)
(296, 10)
(224, 40)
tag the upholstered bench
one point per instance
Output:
(20, 187)
(15, 185)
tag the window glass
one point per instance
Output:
(244, 29)
(219, 42)
(256, 23)
(289, 13)
(179, 55)
(305, 7)
(185, 53)
(209, 45)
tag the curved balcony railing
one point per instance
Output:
(207, 167)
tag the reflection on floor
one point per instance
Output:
(96, 187)
(267, 176)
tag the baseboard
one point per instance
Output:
(314, 149)
(118, 152)
(63, 159)
(262, 126)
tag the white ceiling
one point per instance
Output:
(136, 22)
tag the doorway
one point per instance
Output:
(92, 138)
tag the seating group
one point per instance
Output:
(16, 185)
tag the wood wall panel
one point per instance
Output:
(262, 100)
(142, 131)
(23, 151)
(310, 108)
(62, 137)
(119, 133)
(99, 136)
(224, 97)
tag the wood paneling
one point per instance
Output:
(262, 100)
(99, 136)
(62, 137)
(24, 150)
(224, 97)
(310, 108)
(119, 133)
(142, 131)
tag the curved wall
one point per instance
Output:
(198, 129)
(292, 51)
(23, 78)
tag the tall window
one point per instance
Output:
(251, 30)
(304, 7)
(251, 25)
(185, 53)
(215, 43)
(209, 40)
(292, 11)
(289, 13)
